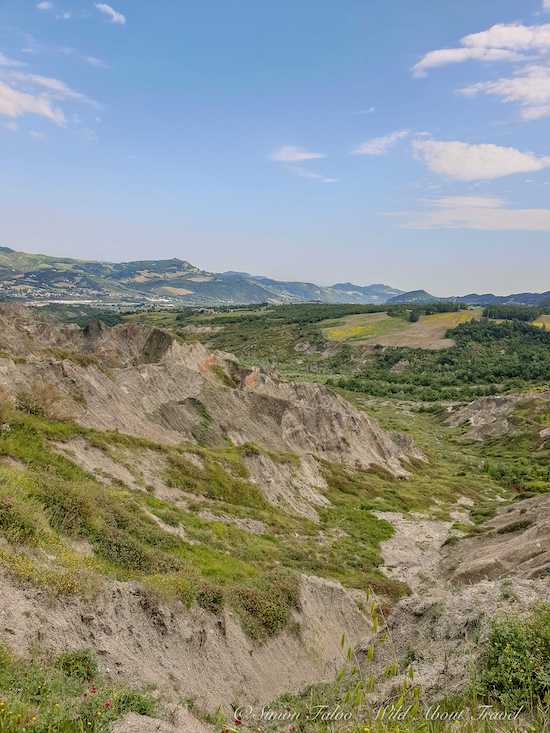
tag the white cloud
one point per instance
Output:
(15, 103)
(291, 154)
(380, 145)
(56, 89)
(23, 93)
(512, 36)
(113, 14)
(530, 88)
(444, 56)
(466, 162)
(95, 62)
(44, 5)
(9, 63)
(546, 5)
(470, 212)
(299, 170)
(37, 135)
(503, 42)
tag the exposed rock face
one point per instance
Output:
(491, 417)
(459, 588)
(143, 382)
(515, 543)
(189, 653)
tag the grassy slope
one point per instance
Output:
(227, 564)
(64, 694)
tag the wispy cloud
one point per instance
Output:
(381, 145)
(444, 56)
(56, 89)
(44, 5)
(111, 13)
(291, 154)
(503, 42)
(95, 62)
(23, 93)
(467, 162)
(471, 212)
(15, 103)
(10, 63)
(530, 88)
(546, 5)
(302, 172)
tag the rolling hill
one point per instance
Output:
(34, 276)
(37, 277)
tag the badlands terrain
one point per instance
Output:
(185, 532)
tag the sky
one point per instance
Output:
(396, 141)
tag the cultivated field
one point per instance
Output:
(362, 327)
(542, 322)
(381, 329)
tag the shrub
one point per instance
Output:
(265, 607)
(516, 666)
(69, 505)
(211, 598)
(132, 701)
(17, 521)
(79, 665)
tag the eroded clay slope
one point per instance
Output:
(188, 653)
(143, 382)
(459, 587)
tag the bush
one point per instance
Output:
(211, 598)
(265, 607)
(79, 665)
(516, 667)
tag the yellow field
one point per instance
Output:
(542, 322)
(362, 326)
(380, 329)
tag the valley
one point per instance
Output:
(169, 511)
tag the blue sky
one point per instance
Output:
(404, 142)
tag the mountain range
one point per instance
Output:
(37, 277)
(422, 296)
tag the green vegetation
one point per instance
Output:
(63, 694)
(488, 358)
(513, 312)
(510, 691)
(47, 502)
(516, 667)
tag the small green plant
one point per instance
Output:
(79, 665)
(62, 695)
(516, 666)
(265, 606)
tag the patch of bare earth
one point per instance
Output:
(458, 588)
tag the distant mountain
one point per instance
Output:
(376, 293)
(515, 299)
(421, 296)
(414, 296)
(40, 277)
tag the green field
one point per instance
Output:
(382, 329)
(361, 328)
